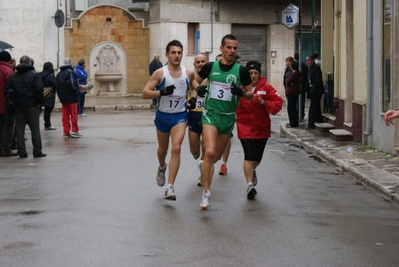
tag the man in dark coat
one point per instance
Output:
(28, 94)
(154, 65)
(315, 91)
(67, 90)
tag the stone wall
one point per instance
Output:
(111, 23)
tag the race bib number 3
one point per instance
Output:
(221, 91)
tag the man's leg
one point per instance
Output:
(225, 157)
(195, 144)
(177, 135)
(66, 121)
(74, 117)
(214, 146)
(8, 134)
(33, 114)
(2, 123)
(20, 122)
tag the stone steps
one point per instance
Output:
(341, 135)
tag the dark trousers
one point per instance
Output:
(6, 132)
(47, 116)
(302, 98)
(315, 111)
(292, 110)
(81, 102)
(28, 116)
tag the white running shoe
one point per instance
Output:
(161, 176)
(206, 202)
(199, 183)
(254, 179)
(170, 194)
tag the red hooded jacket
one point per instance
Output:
(253, 120)
(5, 73)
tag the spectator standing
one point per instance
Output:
(13, 64)
(316, 91)
(48, 79)
(67, 90)
(154, 65)
(317, 60)
(28, 90)
(6, 119)
(81, 76)
(287, 70)
(225, 80)
(253, 123)
(292, 90)
(171, 82)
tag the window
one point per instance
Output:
(192, 38)
(386, 56)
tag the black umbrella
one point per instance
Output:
(4, 45)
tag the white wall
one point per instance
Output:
(29, 27)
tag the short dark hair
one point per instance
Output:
(81, 62)
(48, 66)
(295, 65)
(25, 59)
(315, 55)
(219, 55)
(173, 43)
(228, 37)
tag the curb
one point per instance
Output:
(359, 169)
(113, 107)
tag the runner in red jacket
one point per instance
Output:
(253, 123)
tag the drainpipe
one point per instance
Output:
(370, 64)
(211, 7)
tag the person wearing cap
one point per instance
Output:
(6, 121)
(28, 90)
(154, 65)
(253, 123)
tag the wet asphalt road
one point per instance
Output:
(94, 202)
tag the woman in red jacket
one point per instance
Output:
(292, 90)
(253, 123)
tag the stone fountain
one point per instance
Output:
(108, 72)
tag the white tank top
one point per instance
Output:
(176, 102)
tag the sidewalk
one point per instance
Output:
(98, 103)
(375, 169)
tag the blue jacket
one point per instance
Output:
(81, 75)
(67, 85)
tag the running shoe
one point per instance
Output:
(170, 194)
(223, 170)
(251, 192)
(206, 202)
(161, 176)
(76, 135)
(66, 136)
(254, 179)
(199, 183)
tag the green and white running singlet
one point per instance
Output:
(219, 97)
(220, 103)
